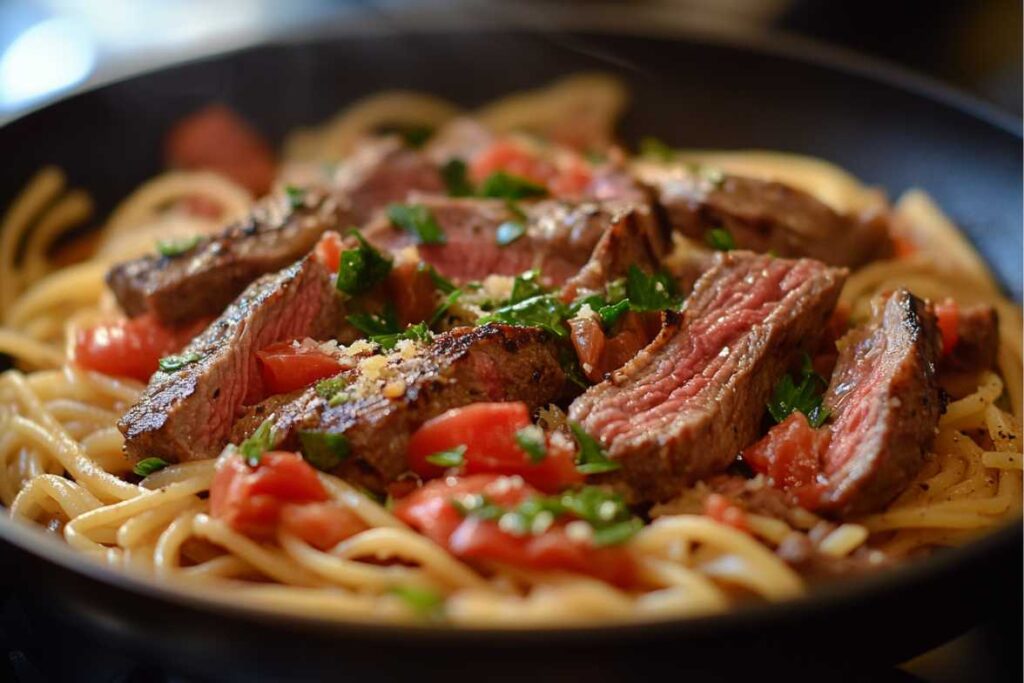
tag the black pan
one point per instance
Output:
(888, 129)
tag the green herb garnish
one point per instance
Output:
(415, 136)
(525, 286)
(617, 533)
(296, 196)
(327, 388)
(508, 232)
(544, 311)
(477, 505)
(177, 362)
(453, 457)
(805, 395)
(370, 324)
(653, 148)
(591, 458)
(426, 603)
(456, 178)
(261, 441)
(148, 466)
(417, 220)
(720, 239)
(531, 440)
(177, 247)
(502, 185)
(443, 307)
(650, 292)
(362, 268)
(442, 283)
(417, 332)
(323, 450)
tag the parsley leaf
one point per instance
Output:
(443, 307)
(442, 283)
(653, 148)
(531, 440)
(148, 466)
(805, 396)
(456, 178)
(417, 332)
(544, 311)
(617, 533)
(453, 457)
(360, 269)
(508, 232)
(477, 505)
(261, 441)
(326, 388)
(502, 185)
(296, 196)
(427, 604)
(370, 324)
(417, 220)
(650, 292)
(177, 247)
(177, 362)
(720, 239)
(591, 459)
(323, 450)
(525, 286)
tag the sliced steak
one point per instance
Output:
(977, 340)
(280, 230)
(558, 240)
(188, 414)
(685, 405)
(884, 402)
(389, 397)
(765, 216)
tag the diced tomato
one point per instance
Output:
(947, 314)
(512, 158)
(413, 293)
(571, 180)
(790, 454)
(286, 366)
(130, 348)
(216, 138)
(328, 250)
(721, 509)
(588, 339)
(430, 511)
(600, 354)
(488, 431)
(250, 499)
(322, 525)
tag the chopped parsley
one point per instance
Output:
(177, 247)
(443, 307)
(508, 232)
(333, 389)
(655, 149)
(177, 362)
(376, 324)
(720, 239)
(502, 185)
(544, 311)
(591, 458)
(323, 450)
(148, 466)
(531, 440)
(650, 292)
(424, 602)
(456, 178)
(608, 312)
(296, 196)
(417, 332)
(261, 441)
(804, 395)
(362, 268)
(445, 285)
(414, 136)
(524, 286)
(417, 220)
(605, 512)
(453, 457)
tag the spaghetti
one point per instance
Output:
(61, 463)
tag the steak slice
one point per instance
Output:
(188, 414)
(280, 230)
(765, 216)
(884, 402)
(685, 405)
(977, 340)
(390, 396)
(558, 240)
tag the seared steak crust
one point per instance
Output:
(977, 340)
(465, 365)
(767, 216)
(686, 404)
(885, 404)
(188, 414)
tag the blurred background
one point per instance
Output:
(51, 47)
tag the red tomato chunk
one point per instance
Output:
(130, 348)
(287, 366)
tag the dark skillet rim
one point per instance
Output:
(830, 598)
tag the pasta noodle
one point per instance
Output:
(60, 451)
